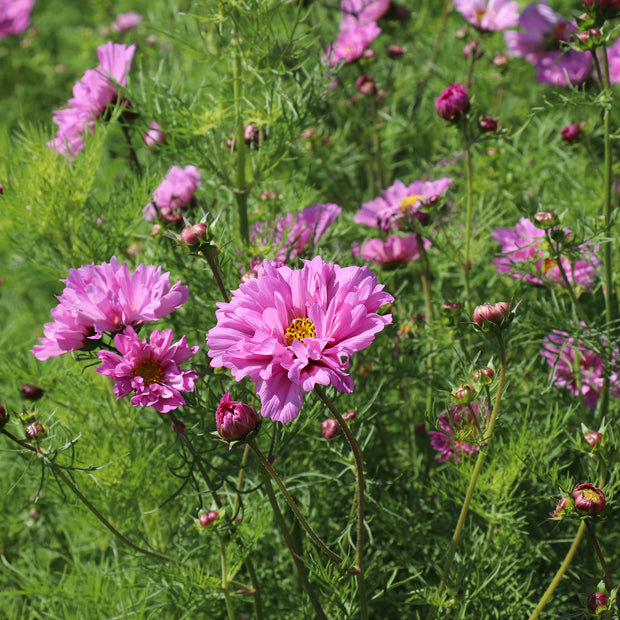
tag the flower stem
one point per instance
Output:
(266, 465)
(475, 474)
(225, 583)
(359, 465)
(468, 221)
(599, 554)
(301, 569)
(217, 274)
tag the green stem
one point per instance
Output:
(376, 139)
(428, 307)
(486, 438)
(301, 569)
(266, 465)
(215, 270)
(599, 554)
(468, 221)
(225, 583)
(359, 468)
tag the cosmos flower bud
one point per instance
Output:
(235, 420)
(207, 518)
(453, 102)
(463, 395)
(4, 417)
(178, 427)
(193, 235)
(571, 133)
(330, 428)
(593, 438)
(34, 431)
(563, 505)
(31, 392)
(492, 316)
(545, 219)
(395, 51)
(484, 375)
(365, 85)
(488, 124)
(588, 499)
(347, 416)
(597, 602)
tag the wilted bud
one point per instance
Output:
(365, 85)
(588, 499)
(597, 602)
(31, 392)
(235, 420)
(488, 124)
(492, 316)
(545, 219)
(484, 375)
(207, 518)
(561, 507)
(453, 102)
(34, 431)
(193, 235)
(571, 133)
(330, 428)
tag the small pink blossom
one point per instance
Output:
(153, 136)
(353, 39)
(489, 15)
(523, 257)
(399, 202)
(174, 194)
(365, 11)
(149, 369)
(394, 251)
(291, 329)
(126, 21)
(14, 16)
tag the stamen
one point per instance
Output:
(150, 370)
(298, 330)
(408, 202)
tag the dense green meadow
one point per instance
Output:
(442, 495)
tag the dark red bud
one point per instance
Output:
(31, 392)
(330, 428)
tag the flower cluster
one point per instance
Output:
(524, 246)
(14, 16)
(92, 94)
(489, 15)
(174, 194)
(289, 330)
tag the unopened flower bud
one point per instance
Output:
(178, 427)
(588, 3)
(451, 307)
(253, 136)
(500, 60)
(207, 518)
(571, 133)
(347, 416)
(31, 392)
(492, 316)
(252, 274)
(235, 420)
(1, 189)
(153, 136)
(193, 235)
(561, 507)
(394, 51)
(545, 219)
(588, 499)
(330, 428)
(306, 134)
(488, 124)
(365, 85)
(453, 102)
(597, 602)
(4, 417)
(464, 394)
(34, 431)
(484, 375)
(593, 438)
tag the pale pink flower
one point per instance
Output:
(461, 426)
(175, 193)
(289, 330)
(153, 136)
(150, 369)
(489, 15)
(365, 11)
(399, 202)
(106, 298)
(394, 251)
(523, 257)
(14, 16)
(353, 39)
(126, 21)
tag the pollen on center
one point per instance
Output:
(150, 370)
(298, 330)
(408, 202)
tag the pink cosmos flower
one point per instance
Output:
(174, 194)
(106, 298)
(489, 15)
(613, 56)
(524, 245)
(396, 250)
(126, 21)
(365, 11)
(150, 369)
(289, 330)
(353, 39)
(399, 202)
(539, 39)
(92, 94)
(14, 16)
(295, 234)
(462, 428)
(579, 369)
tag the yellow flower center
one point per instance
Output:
(408, 202)
(150, 370)
(590, 494)
(550, 263)
(298, 330)
(480, 14)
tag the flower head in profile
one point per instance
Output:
(453, 102)
(524, 257)
(106, 298)
(174, 194)
(489, 15)
(399, 202)
(123, 23)
(392, 252)
(150, 369)
(92, 94)
(539, 40)
(14, 16)
(291, 329)
(235, 420)
(462, 427)
(577, 368)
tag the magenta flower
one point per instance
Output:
(399, 202)
(539, 40)
(613, 55)
(106, 298)
(92, 94)
(126, 21)
(294, 235)
(150, 369)
(365, 11)
(452, 102)
(462, 429)
(174, 194)
(14, 17)
(571, 133)
(396, 250)
(353, 39)
(579, 369)
(289, 330)
(489, 15)
(523, 247)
